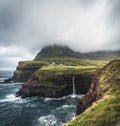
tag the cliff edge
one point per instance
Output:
(101, 105)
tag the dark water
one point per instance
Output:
(34, 111)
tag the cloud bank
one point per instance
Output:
(84, 25)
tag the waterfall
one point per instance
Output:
(74, 90)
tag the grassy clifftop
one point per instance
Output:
(25, 69)
(82, 67)
(106, 111)
(55, 80)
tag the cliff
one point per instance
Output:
(101, 105)
(56, 81)
(25, 69)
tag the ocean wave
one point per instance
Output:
(64, 97)
(65, 107)
(49, 120)
(52, 99)
(10, 98)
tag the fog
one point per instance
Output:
(26, 26)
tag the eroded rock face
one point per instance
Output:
(25, 70)
(61, 86)
(95, 91)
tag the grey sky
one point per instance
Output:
(84, 25)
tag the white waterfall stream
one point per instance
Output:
(74, 89)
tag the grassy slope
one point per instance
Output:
(73, 61)
(82, 67)
(28, 66)
(106, 111)
(69, 65)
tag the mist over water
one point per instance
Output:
(5, 74)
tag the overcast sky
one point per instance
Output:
(84, 25)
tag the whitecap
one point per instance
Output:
(52, 99)
(49, 99)
(66, 107)
(64, 97)
(10, 98)
(13, 98)
(49, 120)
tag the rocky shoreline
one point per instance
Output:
(61, 86)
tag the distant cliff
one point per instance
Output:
(104, 55)
(25, 69)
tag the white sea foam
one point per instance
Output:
(73, 96)
(49, 120)
(51, 99)
(76, 96)
(64, 97)
(13, 98)
(65, 107)
(10, 98)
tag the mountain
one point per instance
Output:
(60, 55)
(103, 55)
(57, 51)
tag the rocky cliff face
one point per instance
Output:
(25, 69)
(55, 86)
(100, 106)
(96, 91)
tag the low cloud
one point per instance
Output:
(84, 25)
(10, 55)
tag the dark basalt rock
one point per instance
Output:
(62, 86)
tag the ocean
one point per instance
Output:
(33, 111)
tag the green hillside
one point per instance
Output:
(106, 110)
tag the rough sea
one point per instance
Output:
(33, 111)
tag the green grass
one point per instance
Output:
(73, 61)
(28, 67)
(61, 63)
(50, 71)
(53, 70)
(45, 69)
(106, 111)
(23, 65)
